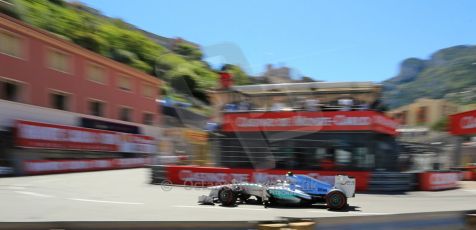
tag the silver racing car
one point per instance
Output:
(295, 189)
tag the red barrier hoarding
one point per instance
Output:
(31, 134)
(432, 181)
(309, 121)
(40, 135)
(463, 123)
(206, 176)
(34, 167)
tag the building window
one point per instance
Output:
(403, 118)
(10, 44)
(59, 61)
(96, 73)
(148, 91)
(96, 108)
(148, 119)
(125, 114)
(422, 115)
(125, 83)
(59, 101)
(10, 91)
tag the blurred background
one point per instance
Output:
(84, 90)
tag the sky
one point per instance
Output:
(330, 40)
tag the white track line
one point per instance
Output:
(16, 187)
(217, 208)
(371, 213)
(471, 191)
(104, 201)
(34, 194)
(352, 212)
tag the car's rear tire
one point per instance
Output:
(227, 197)
(336, 200)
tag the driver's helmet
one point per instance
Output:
(290, 177)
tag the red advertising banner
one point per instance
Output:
(206, 176)
(463, 123)
(31, 134)
(309, 121)
(34, 167)
(431, 181)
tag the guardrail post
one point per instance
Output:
(471, 221)
(158, 173)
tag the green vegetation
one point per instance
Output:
(441, 125)
(239, 76)
(447, 74)
(180, 64)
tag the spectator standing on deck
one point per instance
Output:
(346, 104)
(312, 104)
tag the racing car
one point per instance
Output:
(295, 189)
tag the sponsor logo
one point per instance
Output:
(386, 122)
(468, 122)
(443, 178)
(39, 135)
(210, 177)
(337, 120)
(348, 183)
(65, 135)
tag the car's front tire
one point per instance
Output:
(227, 197)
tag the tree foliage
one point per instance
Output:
(441, 125)
(188, 50)
(239, 76)
(118, 40)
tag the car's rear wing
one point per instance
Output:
(345, 184)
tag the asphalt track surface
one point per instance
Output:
(126, 195)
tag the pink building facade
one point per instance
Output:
(42, 69)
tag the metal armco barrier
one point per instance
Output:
(35, 167)
(430, 221)
(471, 220)
(158, 174)
(391, 182)
(410, 221)
(123, 225)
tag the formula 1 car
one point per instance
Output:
(295, 189)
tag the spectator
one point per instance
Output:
(230, 107)
(364, 106)
(312, 104)
(244, 105)
(346, 104)
(299, 103)
(278, 106)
